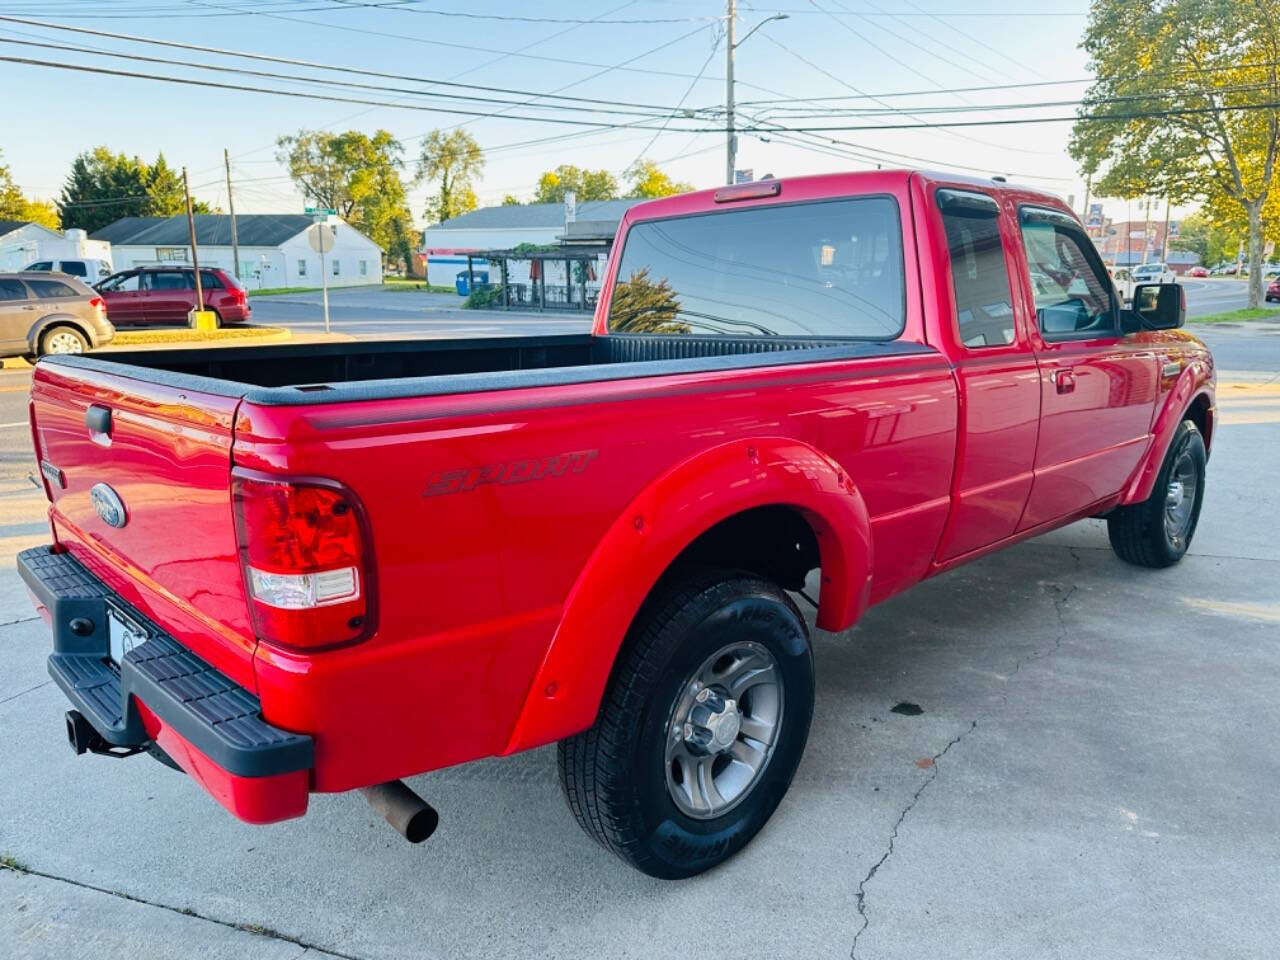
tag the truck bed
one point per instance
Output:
(370, 370)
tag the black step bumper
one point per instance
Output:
(197, 703)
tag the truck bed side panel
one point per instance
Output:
(486, 507)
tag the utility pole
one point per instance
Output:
(191, 230)
(231, 202)
(731, 144)
(1164, 237)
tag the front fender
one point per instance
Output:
(1195, 382)
(650, 534)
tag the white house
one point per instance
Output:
(274, 251)
(447, 244)
(23, 242)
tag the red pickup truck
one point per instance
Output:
(319, 568)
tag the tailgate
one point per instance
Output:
(161, 452)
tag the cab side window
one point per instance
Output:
(979, 272)
(1071, 289)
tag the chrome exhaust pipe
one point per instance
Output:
(413, 818)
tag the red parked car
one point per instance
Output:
(166, 295)
(1198, 272)
(1273, 290)
(399, 556)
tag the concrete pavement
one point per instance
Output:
(1092, 774)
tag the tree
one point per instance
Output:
(1186, 105)
(510, 200)
(648, 181)
(359, 177)
(15, 205)
(455, 161)
(104, 186)
(585, 184)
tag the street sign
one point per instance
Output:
(321, 212)
(747, 175)
(320, 236)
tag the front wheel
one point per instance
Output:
(1158, 531)
(701, 728)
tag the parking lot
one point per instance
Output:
(1091, 773)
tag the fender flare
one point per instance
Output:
(1193, 383)
(54, 319)
(653, 530)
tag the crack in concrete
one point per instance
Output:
(1059, 607)
(23, 693)
(893, 837)
(249, 928)
(10, 623)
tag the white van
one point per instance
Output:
(89, 269)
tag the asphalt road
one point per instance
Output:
(1093, 774)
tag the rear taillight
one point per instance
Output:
(99, 307)
(306, 559)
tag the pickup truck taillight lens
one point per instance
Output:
(304, 551)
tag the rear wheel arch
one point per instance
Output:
(796, 498)
(42, 326)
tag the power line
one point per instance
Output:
(408, 6)
(245, 71)
(291, 61)
(190, 81)
(693, 83)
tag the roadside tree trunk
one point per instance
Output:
(1254, 210)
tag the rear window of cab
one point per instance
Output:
(826, 269)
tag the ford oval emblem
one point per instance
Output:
(108, 505)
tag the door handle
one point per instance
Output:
(1064, 380)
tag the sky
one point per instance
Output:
(886, 61)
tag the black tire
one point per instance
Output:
(62, 333)
(615, 775)
(1141, 533)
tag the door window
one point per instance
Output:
(209, 280)
(51, 289)
(1070, 287)
(123, 283)
(75, 268)
(12, 289)
(41, 265)
(979, 273)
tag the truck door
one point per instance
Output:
(997, 373)
(1098, 386)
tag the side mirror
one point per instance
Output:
(1160, 306)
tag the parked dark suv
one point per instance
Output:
(165, 295)
(44, 312)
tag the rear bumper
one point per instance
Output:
(164, 694)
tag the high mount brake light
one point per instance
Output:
(748, 191)
(304, 553)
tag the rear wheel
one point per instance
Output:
(63, 339)
(701, 728)
(1158, 531)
